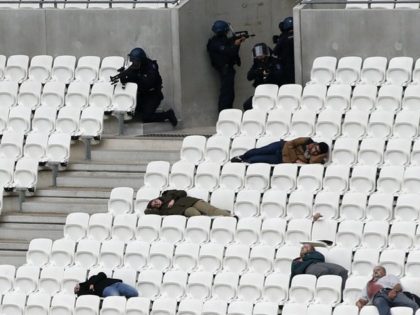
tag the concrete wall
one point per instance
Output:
(364, 33)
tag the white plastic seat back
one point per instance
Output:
(77, 95)
(336, 178)
(364, 97)
(4, 117)
(248, 231)
(389, 98)
(328, 124)
(87, 253)
(193, 148)
(225, 286)
(240, 307)
(91, 122)
(13, 303)
(303, 123)
(380, 124)
(44, 120)
(50, 280)
(62, 252)
(241, 144)
(289, 97)
(62, 304)
(30, 94)
(87, 69)
(299, 205)
(273, 231)
(26, 173)
(113, 305)
(7, 275)
(363, 178)
(207, 176)
(190, 307)
(261, 259)
(393, 260)
(186, 256)
(26, 280)
(2, 65)
(313, 97)
(338, 97)
(101, 95)
(257, 176)
(217, 149)
(398, 152)
(411, 98)
(373, 70)
(87, 304)
(284, 177)
(223, 230)
(407, 207)
(265, 96)
(40, 68)
(172, 228)
(253, 123)
(278, 122)
(353, 290)
(8, 93)
(100, 226)
(284, 257)
(68, 120)
(247, 203)
(323, 70)
(182, 175)
(364, 261)
(236, 258)
(16, 68)
(174, 283)
(58, 148)
(326, 203)
(143, 196)
(371, 151)
(109, 67)
(324, 230)
(71, 277)
(157, 173)
(406, 124)
(124, 98)
(38, 252)
(37, 303)
(11, 146)
(7, 167)
(353, 206)
(416, 71)
(265, 308)
(390, 179)
(124, 227)
(310, 178)
(298, 230)
(355, 124)
(214, 307)
(111, 255)
(232, 176)
(160, 255)
(199, 285)
(148, 283)
(412, 264)
(63, 68)
(19, 119)
(229, 121)
(148, 227)
(302, 289)
(53, 94)
(121, 200)
(349, 234)
(375, 234)
(76, 226)
(197, 229)
(399, 70)
(411, 180)
(348, 70)
(136, 254)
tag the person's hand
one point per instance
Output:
(91, 288)
(171, 203)
(360, 304)
(300, 162)
(239, 41)
(316, 216)
(392, 294)
(76, 288)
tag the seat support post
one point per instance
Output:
(54, 169)
(120, 117)
(22, 198)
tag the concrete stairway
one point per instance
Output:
(84, 186)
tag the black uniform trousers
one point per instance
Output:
(146, 108)
(227, 87)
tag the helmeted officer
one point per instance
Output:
(145, 72)
(284, 50)
(265, 69)
(224, 54)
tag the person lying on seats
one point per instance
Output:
(384, 291)
(300, 150)
(103, 286)
(173, 202)
(313, 262)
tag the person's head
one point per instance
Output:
(261, 51)
(155, 204)
(137, 55)
(286, 25)
(220, 27)
(306, 248)
(379, 272)
(317, 148)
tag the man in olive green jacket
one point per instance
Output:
(177, 202)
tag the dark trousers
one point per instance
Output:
(248, 104)
(384, 303)
(271, 153)
(227, 87)
(323, 268)
(146, 108)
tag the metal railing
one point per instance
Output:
(358, 2)
(165, 3)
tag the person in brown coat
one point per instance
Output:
(300, 150)
(174, 202)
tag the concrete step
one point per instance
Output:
(96, 166)
(64, 205)
(135, 128)
(131, 156)
(100, 179)
(12, 257)
(140, 144)
(73, 192)
(33, 217)
(25, 232)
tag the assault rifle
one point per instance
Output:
(240, 34)
(121, 72)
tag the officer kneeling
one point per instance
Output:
(265, 70)
(145, 73)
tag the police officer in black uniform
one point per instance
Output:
(284, 50)
(265, 70)
(224, 54)
(145, 72)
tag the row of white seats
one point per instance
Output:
(378, 5)
(342, 309)
(251, 231)
(345, 151)
(375, 70)
(37, 303)
(340, 97)
(53, 148)
(235, 177)
(79, 94)
(44, 68)
(73, 121)
(22, 176)
(328, 124)
(92, 4)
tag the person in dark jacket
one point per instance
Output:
(103, 286)
(224, 55)
(265, 70)
(176, 202)
(284, 50)
(145, 73)
(300, 150)
(313, 262)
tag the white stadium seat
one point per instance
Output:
(38, 252)
(265, 97)
(62, 304)
(229, 122)
(261, 259)
(148, 283)
(124, 98)
(364, 261)
(210, 257)
(323, 70)
(284, 177)
(63, 69)
(328, 124)
(53, 94)
(302, 289)
(197, 229)
(411, 98)
(407, 207)
(241, 144)
(109, 67)
(19, 119)
(236, 258)
(363, 178)
(37, 303)
(87, 69)
(76, 226)
(193, 148)
(174, 284)
(349, 234)
(121, 200)
(276, 287)
(160, 255)
(353, 206)
(390, 179)
(101, 95)
(313, 97)
(87, 253)
(100, 226)
(310, 178)
(172, 228)
(247, 203)
(2, 65)
(303, 123)
(71, 277)
(364, 97)
(143, 196)
(406, 124)
(77, 95)
(199, 285)
(58, 148)
(13, 303)
(393, 261)
(399, 70)
(182, 175)
(190, 307)
(8, 93)
(380, 124)
(214, 307)
(300, 205)
(240, 308)
(7, 167)
(398, 152)
(87, 304)
(50, 280)
(373, 70)
(113, 305)
(16, 68)
(411, 180)
(186, 257)
(277, 124)
(253, 123)
(157, 173)
(111, 255)
(348, 70)
(26, 280)
(355, 124)
(375, 235)
(7, 274)
(232, 176)
(298, 230)
(379, 207)
(91, 122)
(30, 94)
(68, 121)
(225, 286)
(137, 305)
(217, 149)
(273, 203)
(43, 120)
(26, 173)
(336, 178)
(353, 290)
(289, 97)
(62, 252)
(257, 176)
(207, 176)
(136, 254)
(148, 227)
(326, 203)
